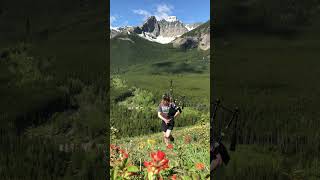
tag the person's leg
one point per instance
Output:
(166, 140)
(171, 125)
(164, 130)
(167, 136)
(164, 137)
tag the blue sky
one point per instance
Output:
(134, 12)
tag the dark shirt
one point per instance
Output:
(166, 109)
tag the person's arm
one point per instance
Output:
(161, 117)
(178, 111)
(176, 114)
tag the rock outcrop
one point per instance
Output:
(172, 28)
(151, 26)
(197, 38)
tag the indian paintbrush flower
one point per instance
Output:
(174, 177)
(199, 166)
(170, 146)
(158, 162)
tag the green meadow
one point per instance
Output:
(141, 72)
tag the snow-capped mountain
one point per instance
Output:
(163, 31)
(171, 19)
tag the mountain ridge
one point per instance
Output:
(162, 31)
(196, 38)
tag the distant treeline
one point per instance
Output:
(134, 123)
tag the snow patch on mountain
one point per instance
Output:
(191, 27)
(171, 18)
(115, 28)
(158, 39)
(164, 40)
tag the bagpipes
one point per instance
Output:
(217, 147)
(179, 103)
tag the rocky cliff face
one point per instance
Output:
(163, 31)
(185, 43)
(197, 38)
(172, 28)
(151, 26)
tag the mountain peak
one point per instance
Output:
(171, 18)
(151, 18)
(151, 26)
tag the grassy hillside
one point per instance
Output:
(137, 106)
(151, 66)
(127, 50)
(190, 149)
(136, 92)
(136, 50)
(141, 74)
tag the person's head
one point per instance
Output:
(165, 99)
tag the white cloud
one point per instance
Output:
(112, 20)
(163, 11)
(143, 13)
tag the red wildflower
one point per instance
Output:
(117, 155)
(170, 146)
(113, 147)
(124, 154)
(147, 164)
(174, 177)
(158, 156)
(158, 163)
(200, 166)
